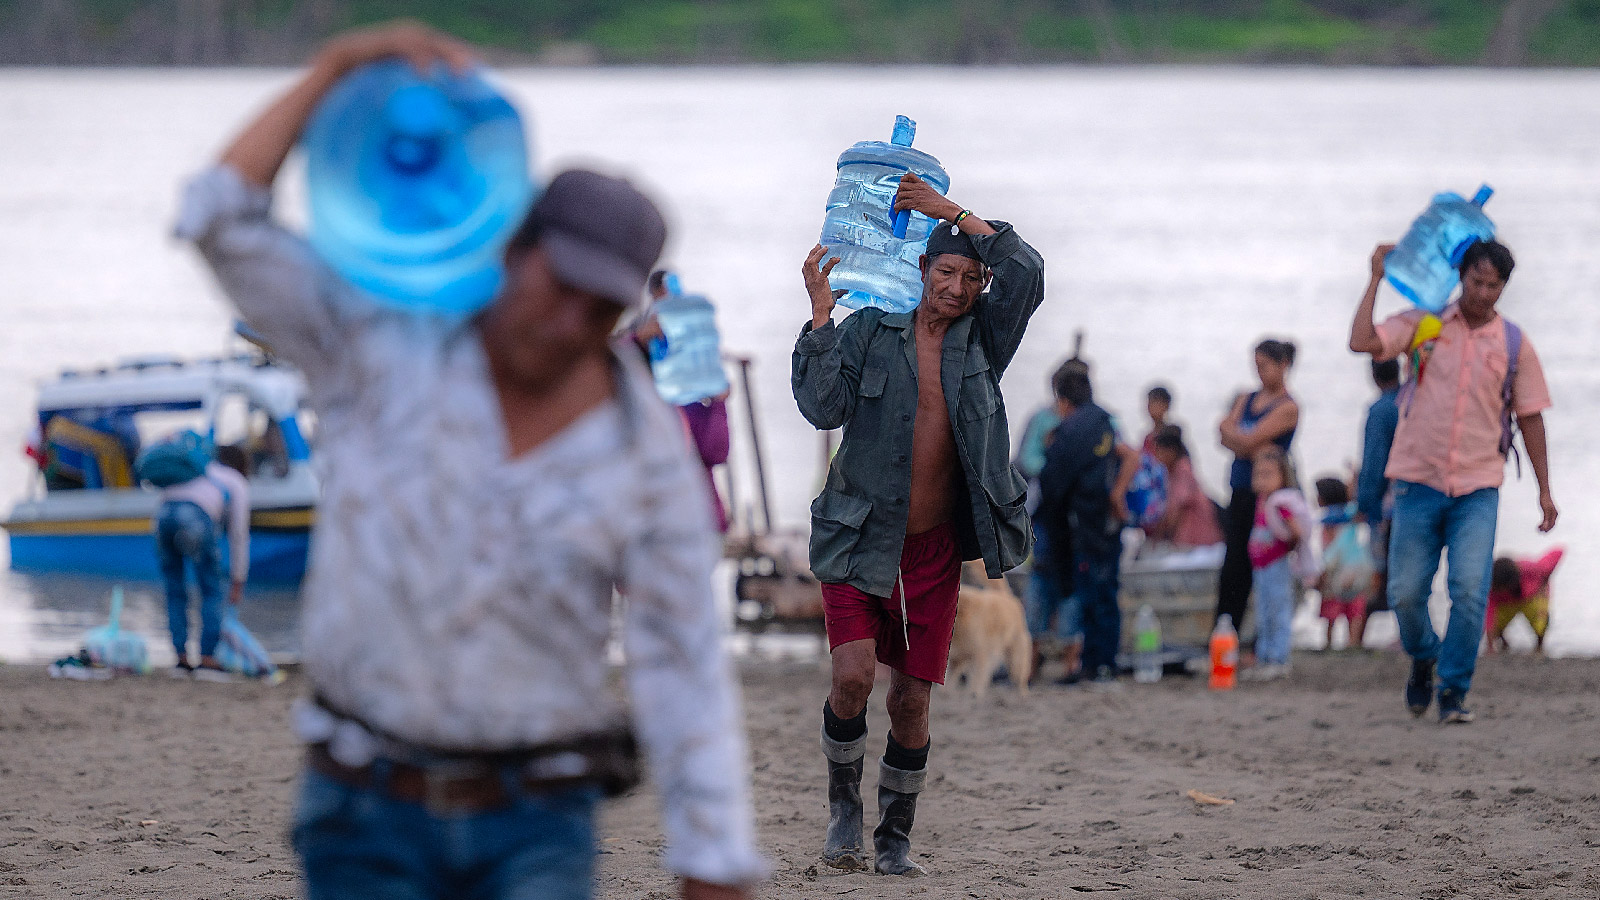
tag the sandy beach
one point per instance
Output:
(155, 788)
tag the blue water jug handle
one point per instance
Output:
(1483, 195)
(905, 132)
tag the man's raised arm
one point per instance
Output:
(826, 370)
(277, 282)
(260, 149)
(1363, 332)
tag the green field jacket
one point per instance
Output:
(862, 375)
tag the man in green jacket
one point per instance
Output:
(921, 482)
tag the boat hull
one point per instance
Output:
(124, 548)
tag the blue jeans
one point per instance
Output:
(1095, 589)
(1426, 522)
(185, 533)
(1275, 602)
(1044, 600)
(357, 842)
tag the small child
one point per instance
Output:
(1157, 403)
(1278, 553)
(1520, 587)
(1347, 571)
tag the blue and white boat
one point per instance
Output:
(86, 512)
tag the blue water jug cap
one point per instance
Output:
(416, 182)
(1483, 195)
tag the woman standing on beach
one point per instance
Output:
(1268, 415)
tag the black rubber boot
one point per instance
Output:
(897, 811)
(842, 849)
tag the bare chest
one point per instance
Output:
(930, 388)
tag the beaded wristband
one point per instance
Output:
(955, 224)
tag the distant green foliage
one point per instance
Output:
(1457, 32)
(1460, 29)
(1571, 36)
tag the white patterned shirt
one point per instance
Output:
(461, 599)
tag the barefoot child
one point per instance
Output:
(1281, 527)
(1346, 579)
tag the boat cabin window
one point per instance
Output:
(242, 423)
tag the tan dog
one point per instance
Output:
(990, 629)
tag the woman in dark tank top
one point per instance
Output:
(1265, 416)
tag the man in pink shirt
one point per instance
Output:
(1448, 461)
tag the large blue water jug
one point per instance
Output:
(1423, 266)
(416, 183)
(877, 248)
(689, 367)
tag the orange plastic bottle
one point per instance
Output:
(1224, 655)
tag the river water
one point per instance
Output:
(1183, 214)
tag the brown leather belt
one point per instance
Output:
(467, 786)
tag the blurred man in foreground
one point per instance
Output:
(487, 484)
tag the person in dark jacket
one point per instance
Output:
(1372, 486)
(1083, 476)
(921, 482)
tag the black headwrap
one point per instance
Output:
(942, 241)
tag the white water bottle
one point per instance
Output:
(1146, 646)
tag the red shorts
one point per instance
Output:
(1351, 610)
(930, 569)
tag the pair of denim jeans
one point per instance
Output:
(358, 842)
(1275, 602)
(1427, 522)
(186, 536)
(1095, 584)
(1045, 600)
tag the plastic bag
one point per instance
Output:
(113, 648)
(238, 651)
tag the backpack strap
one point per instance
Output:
(1508, 418)
(227, 502)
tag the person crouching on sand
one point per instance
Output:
(489, 483)
(921, 482)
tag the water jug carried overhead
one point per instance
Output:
(1423, 266)
(416, 183)
(687, 364)
(877, 247)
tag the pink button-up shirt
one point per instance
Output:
(1449, 439)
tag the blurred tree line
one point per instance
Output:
(275, 32)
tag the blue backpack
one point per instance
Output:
(175, 460)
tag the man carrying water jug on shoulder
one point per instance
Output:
(489, 481)
(1473, 375)
(921, 482)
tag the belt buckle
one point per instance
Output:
(438, 781)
